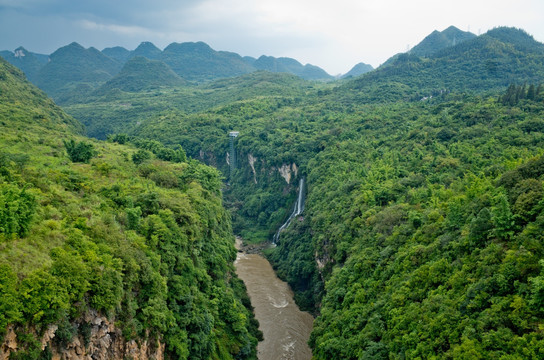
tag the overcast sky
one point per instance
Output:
(332, 34)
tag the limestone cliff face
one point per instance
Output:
(286, 170)
(105, 341)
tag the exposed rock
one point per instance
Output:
(10, 343)
(285, 171)
(49, 335)
(252, 164)
(105, 342)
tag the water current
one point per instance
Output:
(286, 329)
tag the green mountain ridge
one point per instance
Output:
(357, 70)
(75, 71)
(147, 50)
(488, 62)
(30, 63)
(439, 40)
(139, 74)
(291, 66)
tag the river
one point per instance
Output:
(286, 329)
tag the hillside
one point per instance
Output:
(488, 62)
(439, 40)
(290, 66)
(415, 210)
(75, 71)
(121, 112)
(106, 250)
(357, 70)
(140, 74)
(198, 61)
(147, 50)
(30, 63)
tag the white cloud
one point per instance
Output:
(117, 29)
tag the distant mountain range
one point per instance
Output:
(443, 61)
(73, 71)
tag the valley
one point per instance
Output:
(406, 203)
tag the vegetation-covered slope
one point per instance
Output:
(437, 224)
(422, 232)
(358, 69)
(75, 71)
(488, 62)
(122, 112)
(439, 40)
(140, 74)
(424, 218)
(30, 63)
(144, 241)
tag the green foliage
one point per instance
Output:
(139, 74)
(140, 156)
(421, 236)
(10, 308)
(148, 246)
(17, 207)
(79, 151)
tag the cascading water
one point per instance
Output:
(297, 210)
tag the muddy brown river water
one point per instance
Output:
(286, 329)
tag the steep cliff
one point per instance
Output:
(95, 338)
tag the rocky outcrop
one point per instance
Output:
(104, 341)
(286, 170)
(252, 160)
(10, 343)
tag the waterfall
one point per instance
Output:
(297, 210)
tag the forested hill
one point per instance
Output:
(140, 74)
(421, 236)
(439, 40)
(72, 73)
(422, 233)
(488, 62)
(110, 250)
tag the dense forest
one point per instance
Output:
(422, 232)
(139, 236)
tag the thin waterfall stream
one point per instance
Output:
(298, 208)
(285, 328)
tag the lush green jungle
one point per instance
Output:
(421, 236)
(138, 235)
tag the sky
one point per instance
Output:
(332, 34)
